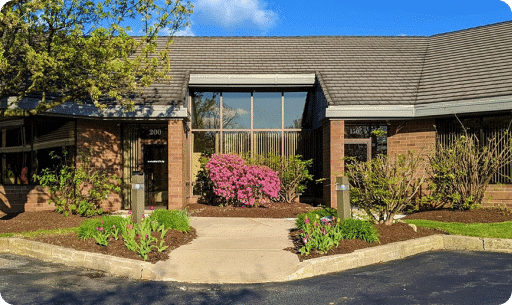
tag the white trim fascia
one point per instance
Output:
(141, 111)
(198, 80)
(419, 110)
(370, 111)
(465, 106)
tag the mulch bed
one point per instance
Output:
(275, 210)
(33, 221)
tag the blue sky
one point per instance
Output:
(338, 17)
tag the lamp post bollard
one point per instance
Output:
(138, 196)
(343, 197)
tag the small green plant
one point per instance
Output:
(171, 219)
(101, 237)
(321, 234)
(77, 189)
(299, 222)
(110, 225)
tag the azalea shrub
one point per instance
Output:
(323, 233)
(237, 182)
(291, 170)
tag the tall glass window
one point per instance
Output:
(267, 110)
(293, 108)
(236, 110)
(255, 122)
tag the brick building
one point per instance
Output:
(316, 96)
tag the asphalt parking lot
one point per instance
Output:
(439, 277)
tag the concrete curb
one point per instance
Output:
(135, 269)
(397, 250)
(129, 268)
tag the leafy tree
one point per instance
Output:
(76, 50)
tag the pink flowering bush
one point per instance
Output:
(236, 181)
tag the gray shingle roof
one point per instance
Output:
(465, 64)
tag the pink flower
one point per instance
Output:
(146, 236)
(305, 240)
(114, 226)
(152, 208)
(102, 222)
(316, 224)
(129, 212)
(99, 229)
(143, 215)
(306, 220)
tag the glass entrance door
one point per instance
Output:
(155, 169)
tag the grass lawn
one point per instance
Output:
(491, 230)
(41, 232)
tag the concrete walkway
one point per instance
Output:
(233, 250)
(245, 250)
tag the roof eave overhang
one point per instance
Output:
(118, 112)
(251, 80)
(372, 112)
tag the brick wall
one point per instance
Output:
(23, 198)
(178, 164)
(105, 140)
(333, 148)
(418, 136)
(498, 195)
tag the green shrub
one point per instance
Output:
(385, 185)
(89, 228)
(358, 229)
(77, 189)
(299, 222)
(172, 219)
(460, 172)
(321, 235)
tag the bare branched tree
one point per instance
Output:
(385, 186)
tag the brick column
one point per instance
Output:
(178, 169)
(333, 151)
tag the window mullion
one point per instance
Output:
(221, 150)
(282, 123)
(252, 124)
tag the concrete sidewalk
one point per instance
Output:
(232, 250)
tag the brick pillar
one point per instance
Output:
(177, 150)
(333, 151)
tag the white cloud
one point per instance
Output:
(230, 13)
(185, 32)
